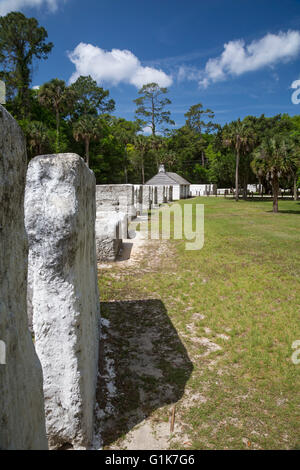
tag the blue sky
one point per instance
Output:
(237, 57)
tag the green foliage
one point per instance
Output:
(60, 98)
(21, 41)
(90, 98)
(195, 119)
(275, 158)
(77, 118)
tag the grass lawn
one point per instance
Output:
(221, 322)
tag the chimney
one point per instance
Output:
(161, 168)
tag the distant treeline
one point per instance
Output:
(79, 118)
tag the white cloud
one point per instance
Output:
(147, 130)
(114, 67)
(7, 6)
(238, 58)
(188, 73)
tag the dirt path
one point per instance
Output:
(136, 393)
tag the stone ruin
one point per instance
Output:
(161, 194)
(118, 204)
(115, 208)
(203, 190)
(111, 229)
(116, 198)
(63, 293)
(147, 202)
(138, 198)
(67, 222)
(22, 415)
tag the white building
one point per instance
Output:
(180, 186)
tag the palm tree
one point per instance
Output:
(238, 135)
(87, 129)
(274, 159)
(37, 137)
(56, 95)
(295, 163)
(156, 144)
(141, 147)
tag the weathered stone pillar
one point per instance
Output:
(160, 194)
(22, 416)
(138, 188)
(60, 223)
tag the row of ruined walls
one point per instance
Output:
(55, 224)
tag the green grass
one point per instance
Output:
(245, 281)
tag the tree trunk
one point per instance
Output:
(259, 187)
(203, 161)
(295, 189)
(125, 166)
(275, 187)
(153, 119)
(143, 173)
(87, 151)
(237, 175)
(245, 189)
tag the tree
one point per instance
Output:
(125, 133)
(37, 137)
(196, 121)
(151, 106)
(238, 136)
(91, 99)
(295, 163)
(273, 159)
(21, 41)
(295, 137)
(221, 163)
(137, 153)
(87, 129)
(60, 98)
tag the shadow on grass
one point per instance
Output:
(143, 365)
(264, 199)
(290, 212)
(286, 212)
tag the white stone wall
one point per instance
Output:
(223, 191)
(252, 188)
(111, 229)
(116, 197)
(176, 192)
(147, 197)
(203, 189)
(161, 194)
(22, 416)
(60, 223)
(138, 198)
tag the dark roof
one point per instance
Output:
(179, 179)
(167, 178)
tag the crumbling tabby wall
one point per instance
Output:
(60, 222)
(22, 416)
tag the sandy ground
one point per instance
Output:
(140, 431)
(139, 348)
